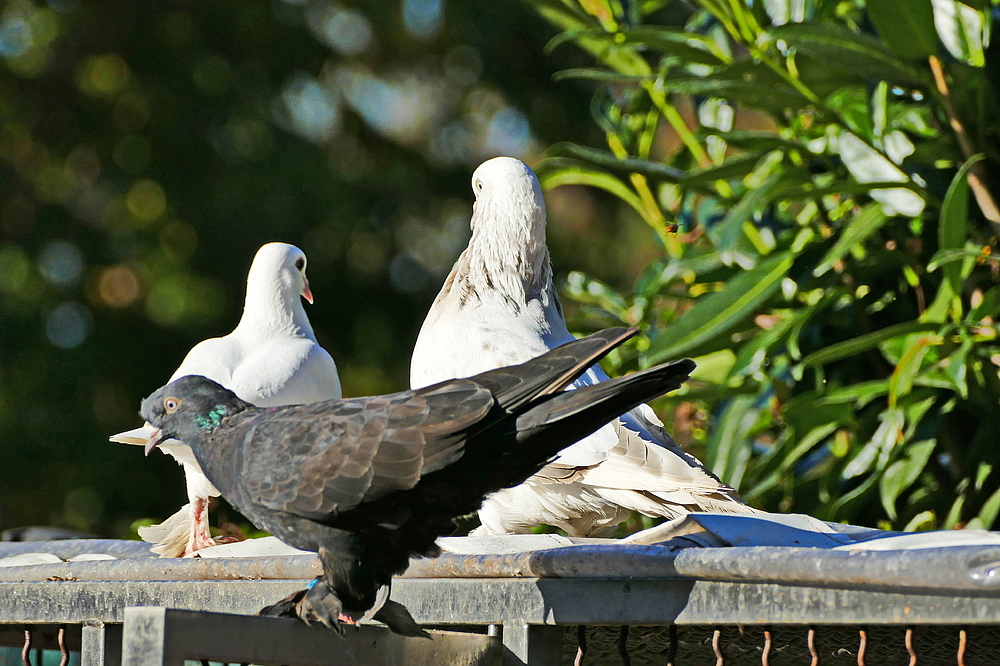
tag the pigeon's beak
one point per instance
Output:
(306, 291)
(155, 438)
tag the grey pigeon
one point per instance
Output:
(498, 307)
(369, 483)
(271, 358)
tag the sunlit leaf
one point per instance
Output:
(961, 30)
(555, 174)
(868, 165)
(902, 473)
(906, 370)
(857, 231)
(715, 314)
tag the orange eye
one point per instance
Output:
(171, 405)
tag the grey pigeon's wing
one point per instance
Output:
(318, 460)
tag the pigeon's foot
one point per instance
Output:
(219, 540)
(316, 603)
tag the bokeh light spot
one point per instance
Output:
(15, 37)
(312, 108)
(61, 263)
(103, 74)
(118, 286)
(179, 239)
(68, 325)
(346, 30)
(423, 18)
(146, 201)
(509, 133)
(15, 269)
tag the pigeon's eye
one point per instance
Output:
(479, 185)
(300, 263)
(171, 404)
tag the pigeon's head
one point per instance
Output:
(281, 266)
(507, 192)
(187, 408)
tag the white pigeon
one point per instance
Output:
(270, 359)
(498, 307)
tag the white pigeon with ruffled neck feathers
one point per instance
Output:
(498, 307)
(270, 359)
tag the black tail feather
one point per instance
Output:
(517, 385)
(576, 414)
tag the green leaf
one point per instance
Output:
(907, 26)
(757, 141)
(753, 353)
(925, 520)
(886, 436)
(776, 98)
(857, 231)
(862, 343)
(953, 228)
(716, 313)
(728, 452)
(737, 166)
(851, 52)
(988, 514)
(554, 175)
(688, 46)
(961, 29)
(607, 160)
(598, 74)
(906, 371)
(729, 231)
(902, 473)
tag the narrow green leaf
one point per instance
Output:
(953, 227)
(688, 46)
(862, 343)
(857, 231)
(907, 26)
(727, 450)
(923, 521)
(737, 166)
(716, 313)
(757, 141)
(607, 160)
(552, 176)
(777, 97)
(849, 51)
(884, 439)
(906, 370)
(901, 474)
(991, 507)
(598, 74)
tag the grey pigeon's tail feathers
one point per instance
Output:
(574, 413)
(517, 386)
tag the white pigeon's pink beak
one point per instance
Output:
(155, 438)
(306, 291)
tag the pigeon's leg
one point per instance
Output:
(200, 536)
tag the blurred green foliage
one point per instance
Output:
(147, 149)
(832, 166)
